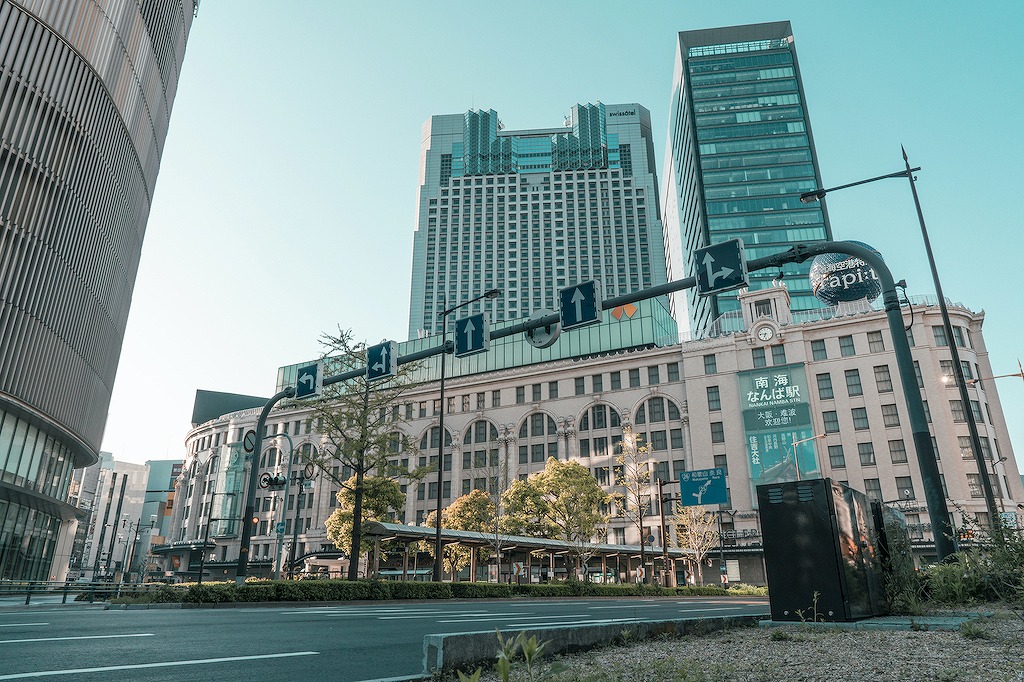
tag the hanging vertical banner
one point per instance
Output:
(775, 415)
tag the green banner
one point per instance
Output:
(776, 415)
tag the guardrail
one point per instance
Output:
(78, 590)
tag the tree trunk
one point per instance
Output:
(357, 507)
(357, 524)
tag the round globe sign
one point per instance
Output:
(839, 278)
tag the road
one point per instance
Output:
(347, 643)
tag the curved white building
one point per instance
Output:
(86, 89)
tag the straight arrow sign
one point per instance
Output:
(580, 304)
(472, 335)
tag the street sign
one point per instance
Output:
(249, 441)
(580, 304)
(265, 480)
(472, 335)
(721, 267)
(518, 568)
(702, 487)
(279, 527)
(381, 360)
(310, 381)
(640, 573)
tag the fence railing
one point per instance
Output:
(13, 590)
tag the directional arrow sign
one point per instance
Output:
(472, 335)
(580, 304)
(309, 381)
(381, 360)
(721, 267)
(702, 487)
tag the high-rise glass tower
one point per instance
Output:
(86, 88)
(739, 153)
(532, 211)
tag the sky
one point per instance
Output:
(286, 201)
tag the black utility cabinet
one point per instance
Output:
(820, 537)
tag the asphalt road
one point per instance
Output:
(347, 643)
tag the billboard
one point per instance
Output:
(701, 487)
(776, 414)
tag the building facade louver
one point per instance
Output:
(86, 90)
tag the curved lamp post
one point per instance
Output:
(958, 373)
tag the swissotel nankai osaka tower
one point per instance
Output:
(86, 89)
(738, 156)
(532, 211)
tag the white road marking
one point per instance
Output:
(21, 625)
(164, 664)
(606, 621)
(65, 639)
(504, 616)
(441, 613)
(628, 606)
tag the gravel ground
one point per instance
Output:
(796, 652)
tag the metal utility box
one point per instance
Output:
(822, 552)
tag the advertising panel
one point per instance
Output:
(776, 415)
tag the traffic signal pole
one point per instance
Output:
(938, 512)
(250, 489)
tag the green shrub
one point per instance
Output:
(211, 593)
(747, 590)
(480, 590)
(257, 592)
(425, 590)
(701, 591)
(546, 590)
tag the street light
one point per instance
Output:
(972, 426)
(1000, 376)
(490, 293)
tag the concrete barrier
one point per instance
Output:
(447, 653)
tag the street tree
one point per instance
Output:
(485, 453)
(473, 511)
(697, 531)
(381, 497)
(562, 502)
(359, 425)
(633, 476)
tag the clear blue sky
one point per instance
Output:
(287, 194)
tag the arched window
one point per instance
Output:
(601, 417)
(538, 439)
(428, 448)
(664, 429)
(600, 430)
(480, 446)
(269, 458)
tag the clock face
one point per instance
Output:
(765, 333)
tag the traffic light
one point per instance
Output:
(255, 520)
(277, 481)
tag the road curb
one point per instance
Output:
(447, 653)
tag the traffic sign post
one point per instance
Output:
(381, 360)
(721, 267)
(472, 335)
(580, 305)
(310, 381)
